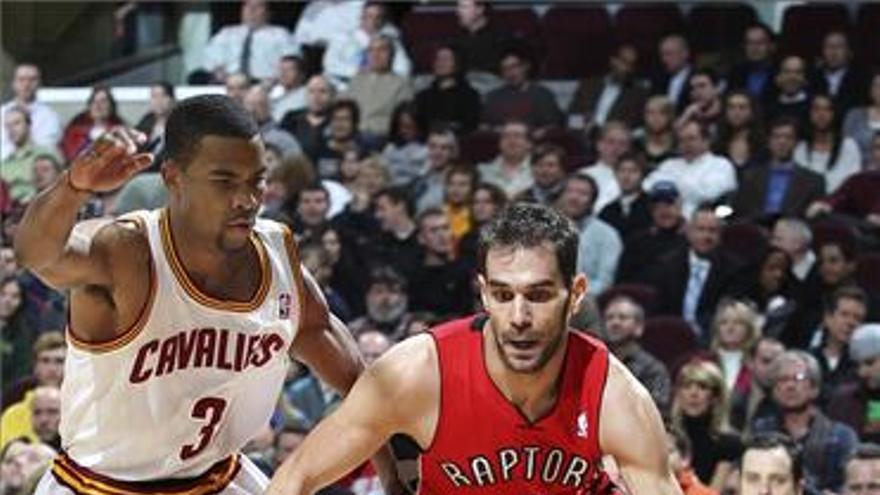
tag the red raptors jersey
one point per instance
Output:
(483, 444)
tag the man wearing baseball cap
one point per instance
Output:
(858, 404)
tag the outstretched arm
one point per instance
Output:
(392, 396)
(636, 439)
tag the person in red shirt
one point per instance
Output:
(510, 401)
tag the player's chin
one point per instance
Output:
(524, 360)
(235, 238)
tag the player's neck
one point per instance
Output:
(534, 394)
(202, 256)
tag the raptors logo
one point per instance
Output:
(284, 305)
(583, 427)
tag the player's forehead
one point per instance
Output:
(227, 155)
(523, 266)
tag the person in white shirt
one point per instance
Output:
(45, 126)
(701, 176)
(289, 95)
(614, 142)
(346, 53)
(511, 170)
(322, 18)
(824, 149)
(253, 47)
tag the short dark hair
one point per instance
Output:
(864, 452)
(785, 121)
(315, 186)
(204, 115)
(397, 195)
(351, 106)
(464, 169)
(707, 72)
(387, 275)
(23, 111)
(293, 58)
(583, 177)
(548, 149)
(499, 197)
(852, 292)
(527, 225)
(773, 440)
(763, 27)
(637, 158)
(433, 211)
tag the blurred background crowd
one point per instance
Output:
(721, 161)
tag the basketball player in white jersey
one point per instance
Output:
(182, 320)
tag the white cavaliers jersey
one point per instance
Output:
(194, 378)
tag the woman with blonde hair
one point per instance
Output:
(735, 329)
(700, 408)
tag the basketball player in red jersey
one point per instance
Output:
(512, 402)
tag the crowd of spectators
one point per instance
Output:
(729, 215)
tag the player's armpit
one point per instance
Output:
(323, 341)
(385, 400)
(636, 438)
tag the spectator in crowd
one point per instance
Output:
(427, 188)
(704, 99)
(377, 90)
(826, 443)
(700, 175)
(699, 408)
(450, 99)
(145, 191)
(46, 415)
(21, 462)
(754, 400)
(342, 136)
(756, 72)
(152, 124)
(837, 264)
(599, 244)
(771, 465)
(317, 261)
(672, 80)
(791, 91)
(740, 136)
(856, 403)
(781, 187)
(49, 352)
(17, 331)
(289, 94)
(372, 345)
(794, 236)
(657, 139)
(99, 117)
(308, 126)
(346, 53)
(461, 180)
(845, 311)
(735, 329)
(630, 212)
(824, 149)
(287, 441)
(863, 123)
(237, 85)
(398, 243)
(17, 169)
(46, 168)
(440, 284)
(856, 200)
(614, 141)
(347, 274)
(678, 447)
(256, 101)
(387, 304)
(863, 471)
(311, 398)
(511, 169)
(548, 171)
(691, 280)
(479, 40)
(406, 151)
(623, 324)
(313, 205)
(616, 95)
(768, 284)
(321, 19)
(487, 201)
(253, 47)
(835, 75)
(644, 248)
(520, 98)
(45, 126)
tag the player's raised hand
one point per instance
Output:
(110, 161)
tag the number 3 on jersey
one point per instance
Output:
(211, 410)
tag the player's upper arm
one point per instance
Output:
(636, 438)
(95, 251)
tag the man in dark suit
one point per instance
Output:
(781, 187)
(791, 91)
(836, 75)
(691, 280)
(630, 212)
(756, 73)
(672, 80)
(615, 96)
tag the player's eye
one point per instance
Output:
(539, 296)
(502, 295)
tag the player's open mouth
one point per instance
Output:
(523, 345)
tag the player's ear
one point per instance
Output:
(484, 290)
(171, 174)
(579, 287)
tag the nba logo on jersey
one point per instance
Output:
(284, 305)
(583, 427)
